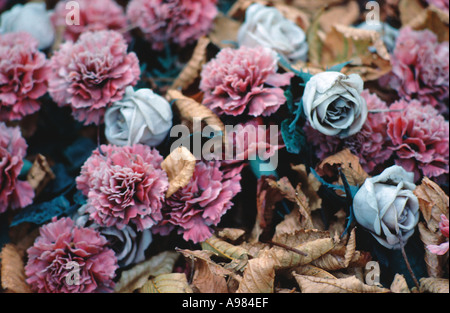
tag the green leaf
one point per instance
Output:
(294, 139)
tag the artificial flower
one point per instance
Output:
(14, 193)
(142, 116)
(124, 185)
(181, 22)
(386, 206)
(267, 27)
(443, 247)
(70, 259)
(244, 80)
(441, 4)
(24, 72)
(32, 18)
(93, 73)
(333, 104)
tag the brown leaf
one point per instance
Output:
(435, 263)
(179, 166)
(309, 185)
(311, 270)
(311, 284)
(40, 174)
(409, 10)
(432, 19)
(259, 276)
(346, 14)
(12, 270)
(232, 234)
(399, 284)
(167, 283)
(237, 254)
(434, 285)
(224, 30)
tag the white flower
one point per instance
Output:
(140, 117)
(333, 104)
(32, 18)
(387, 207)
(387, 32)
(267, 27)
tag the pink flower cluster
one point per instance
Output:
(92, 73)
(13, 192)
(441, 4)
(93, 16)
(70, 259)
(244, 80)
(443, 247)
(24, 71)
(181, 22)
(420, 67)
(193, 209)
(124, 185)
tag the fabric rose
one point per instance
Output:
(14, 193)
(386, 206)
(32, 18)
(441, 4)
(92, 16)
(267, 27)
(93, 73)
(193, 209)
(140, 117)
(24, 72)
(128, 244)
(124, 185)
(443, 247)
(181, 22)
(62, 248)
(244, 80)
(333, 104)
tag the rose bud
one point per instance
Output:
(333, 104)
(386, 206)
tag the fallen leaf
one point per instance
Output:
(224, 31)
(311, 270)
(179, 166)
(12, 270)
(232, 234)
(432, 19)
(435, 263)
(259, 276)
(345, 14)
(434, 285)
(309, 185)
(237, 254)
(167, 283)
(311, 284)
(399, 284)
(40, 174)
(409, 10)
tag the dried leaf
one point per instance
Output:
(40, 174)
(399, 284)
(134, 278)
(310, 186)
(12, 270)
(167, 283)
(311, 270)
(350, 248)
(232, 234)
(434, 285)
(179, 166)
(346, 14)
(259, 276)
(311, 284)
(432, 19)
(435, 263)
(224, 31)
(290, 224)
(409, 10)
(237, 254)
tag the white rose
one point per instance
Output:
(267, 27)
(140, 117)
(333, 104)
(32, 18)
(387, 207)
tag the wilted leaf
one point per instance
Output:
(232, 234)
(434, 285)
(259, 276)
(40, 174)
(399, 285)
(179, 166)
(311, 270)
(309, 185)
(409, 10)
(350, 248)
(311, 284)
(134, 278)
(435, 263)
(224, 31)
(237, 254)
(432, 19)
(12, 270)
(167, 283)
(346, 14)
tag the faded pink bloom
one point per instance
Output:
(92, 73)
(420, 67)
(172, 21)
(24, 71)
(193, 209)
(441, 4)
(3, 4)
(62, 248)
(13, 192)
(420, 138)
(244, 80)
(124, 185)
(443, 247)
(93, 16)
(370, 144)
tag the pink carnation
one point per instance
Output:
(420, 67)
(123, 185)
(3, 4)
(93, 15)
(443, 247)
(420, 138)
(175, 21)
(370, 144)
(13, 192)
(441, 4)
(244, 78)
(92, 73)
(70, 259)
(23, 75)
(201, 204)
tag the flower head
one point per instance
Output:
(176, 21)
(201, 204)
(443, 247)
(92, 73)
(24, 71)
(441, 4)
(420, 138)
(244, 79)
(90, 16)
(70, 259)
(123, 185)
(13, 192)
